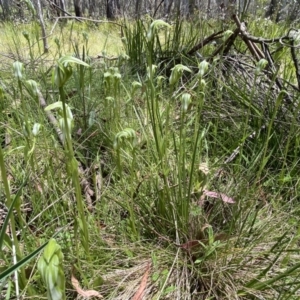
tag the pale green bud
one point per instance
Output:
(59, 106)
(203, 67)
(85, 36)
(261, 65)
(18, 68)
(154, 67)
(126, 134)
(51, 270)
(154, 26)
(63, 70)
(177, 72)
(135, 86)
(32, 87)
(202, 84)
(36, 129)
(26, 35)
(186, 101)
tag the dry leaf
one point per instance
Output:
(203, 167)
(140, 292)
(189, 245)
(217, 195)
(79, 132)
(81, 292)
(39, 188)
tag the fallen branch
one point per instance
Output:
(209, 39)
(258, 54)
(88, 19)
(58, 7)
(296, 62)
(244, 35)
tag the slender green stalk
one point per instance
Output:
(72, 165)
(266, 156)
(61, 75)
(22, 276)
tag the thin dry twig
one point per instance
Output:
(84, 293)
(58, 7)
(88, 19)
(140, 292)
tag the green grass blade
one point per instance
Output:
(10, 210)
(22, 262)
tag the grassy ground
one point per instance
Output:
(172, 177)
